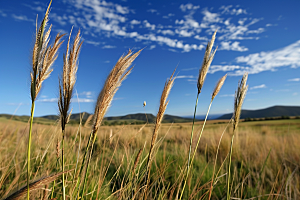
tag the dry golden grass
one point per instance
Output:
(249, 155)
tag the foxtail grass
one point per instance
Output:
(66, 86)
(43, 58)
(208, 58)
(238, 102)
(118, 74)
(159, 117)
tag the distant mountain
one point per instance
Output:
(75, 116)
(274, 111)
(139, 117)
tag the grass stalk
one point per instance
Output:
(29, 147)
(162, 108)
(238, 102)
(208, 57)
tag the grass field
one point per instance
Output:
(275, 143)
(62, 160)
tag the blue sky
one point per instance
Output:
(258, 37)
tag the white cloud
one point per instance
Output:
(258, 87)
(189, 69)
(109, 19)
(108, 47)
(21, 18)
(225, 68)
(235, 46)
(2, 13)
(167, 32)
(82, 100)
(294, 79)
(295, 93)
(288, 56)
(92, 42)
(201, 38)
(211, 17)
(184, 76)
(184, 33)
(152, 47)
(233, 11)
(148, 25)
(121, 9)
(87, 94)
(152, 10)
(188, 6)
(134, 22)
(227, 95)
(270, 61)
(51, 100)
(35, 8)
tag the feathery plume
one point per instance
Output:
(238, 102)
(43, 57)
(239, 99)
(218, 87)
(208, 57)
(162, 108)
(66, 86)
(112, 84)
(67, 83)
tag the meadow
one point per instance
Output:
(265, 160)
(223, 159)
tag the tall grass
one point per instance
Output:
(114, 162)
(43, 57)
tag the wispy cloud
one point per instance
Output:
(82, 100)
(288, 56)
(227, 95)
(75, 100)
(21, 18)
(2, 13)
(258, 87)
(92, 42)
(294, 79)
(108, 47)
(232, 11)
(87, 94)
(184, 76)
(225, 68)
(152, 47)
(50, 100)
(105, 18)
(235, 46)
(152, 11)
(189, 69)
(189, 6)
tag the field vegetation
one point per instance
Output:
(223, 159)
(265, 160)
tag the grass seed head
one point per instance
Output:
(208, 57)
(43, 55)
(219, 86)
(67, 83)
(113, 82)
(239, 99)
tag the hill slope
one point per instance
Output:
(139, 117)
(274, 111)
